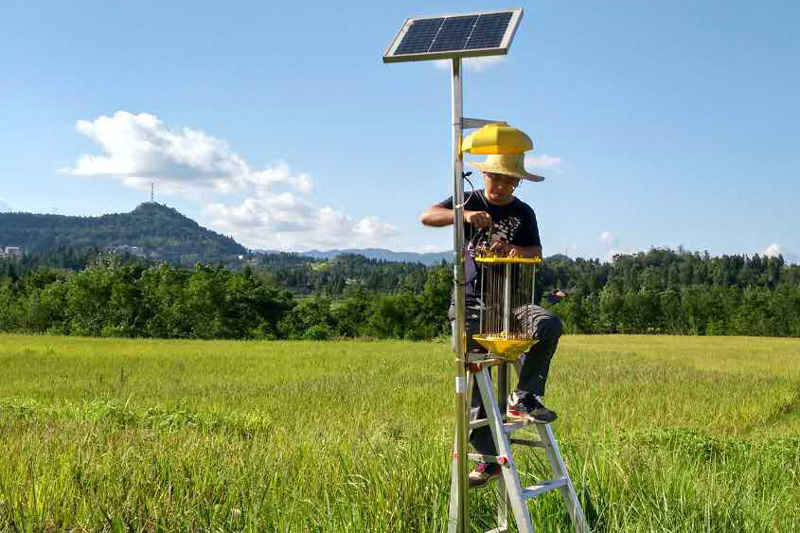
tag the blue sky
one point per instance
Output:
(658, 123)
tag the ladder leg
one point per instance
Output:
(518, 365)
(560, 470)
(452, 517)
(513, 487)
(502, 493)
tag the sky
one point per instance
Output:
(665, 123)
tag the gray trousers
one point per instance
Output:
(547, 328)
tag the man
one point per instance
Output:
(496, 219)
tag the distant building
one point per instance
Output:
(126, 249)
(11, 251)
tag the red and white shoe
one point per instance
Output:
(529, 407)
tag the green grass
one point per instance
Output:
(667, 434)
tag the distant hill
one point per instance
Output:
(385, 255)
(159, 232)
(151, 230)
(433, 258)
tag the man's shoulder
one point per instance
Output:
(520, 205)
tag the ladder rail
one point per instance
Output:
(502, 492)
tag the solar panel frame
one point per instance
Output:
(391, 53)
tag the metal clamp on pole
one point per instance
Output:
(472, 123)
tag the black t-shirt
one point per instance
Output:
(514, 223)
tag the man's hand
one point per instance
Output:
(503, 249)
(478, 219)
(438, 216)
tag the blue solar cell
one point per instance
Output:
(454, 33)
(488, 31)
(419, 37)
(446, 34)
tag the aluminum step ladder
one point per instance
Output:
(510, 491)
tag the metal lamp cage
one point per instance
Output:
(507, 288)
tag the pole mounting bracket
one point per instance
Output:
(472, 123)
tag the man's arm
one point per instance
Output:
(438, 216)
(512, 250)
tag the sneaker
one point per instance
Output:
(483, 473)
(529, 407)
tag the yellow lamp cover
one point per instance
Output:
(497, 139)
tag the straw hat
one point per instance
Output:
(509, 164)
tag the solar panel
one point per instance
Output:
(459, 35)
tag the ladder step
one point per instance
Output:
(517, 424)
(531, 443)
(542, 487)
(509, 426)
(485, 358)
(478, 423)
(483, 458)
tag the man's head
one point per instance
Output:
(502, 173)
(499, 187)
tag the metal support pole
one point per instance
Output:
(462, 424)
(507, 301)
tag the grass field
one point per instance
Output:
(668, 434)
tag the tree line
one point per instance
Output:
(284, 296)
(678, 292)
(118, 297)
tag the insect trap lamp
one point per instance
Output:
(454, 37)
(507, 289)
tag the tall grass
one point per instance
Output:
(661, 434)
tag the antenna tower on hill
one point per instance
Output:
(152, 192)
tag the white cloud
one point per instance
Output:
(286, 221)
(272, 210)
(542, 161)
(473, 64)
(280, 174)
(426, 248)
(372, 228)
(620, 250)
(5, 207)
(608, 238)
(773, 250)
(140, 149)
(611, 243)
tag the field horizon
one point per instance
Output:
(660, 433)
